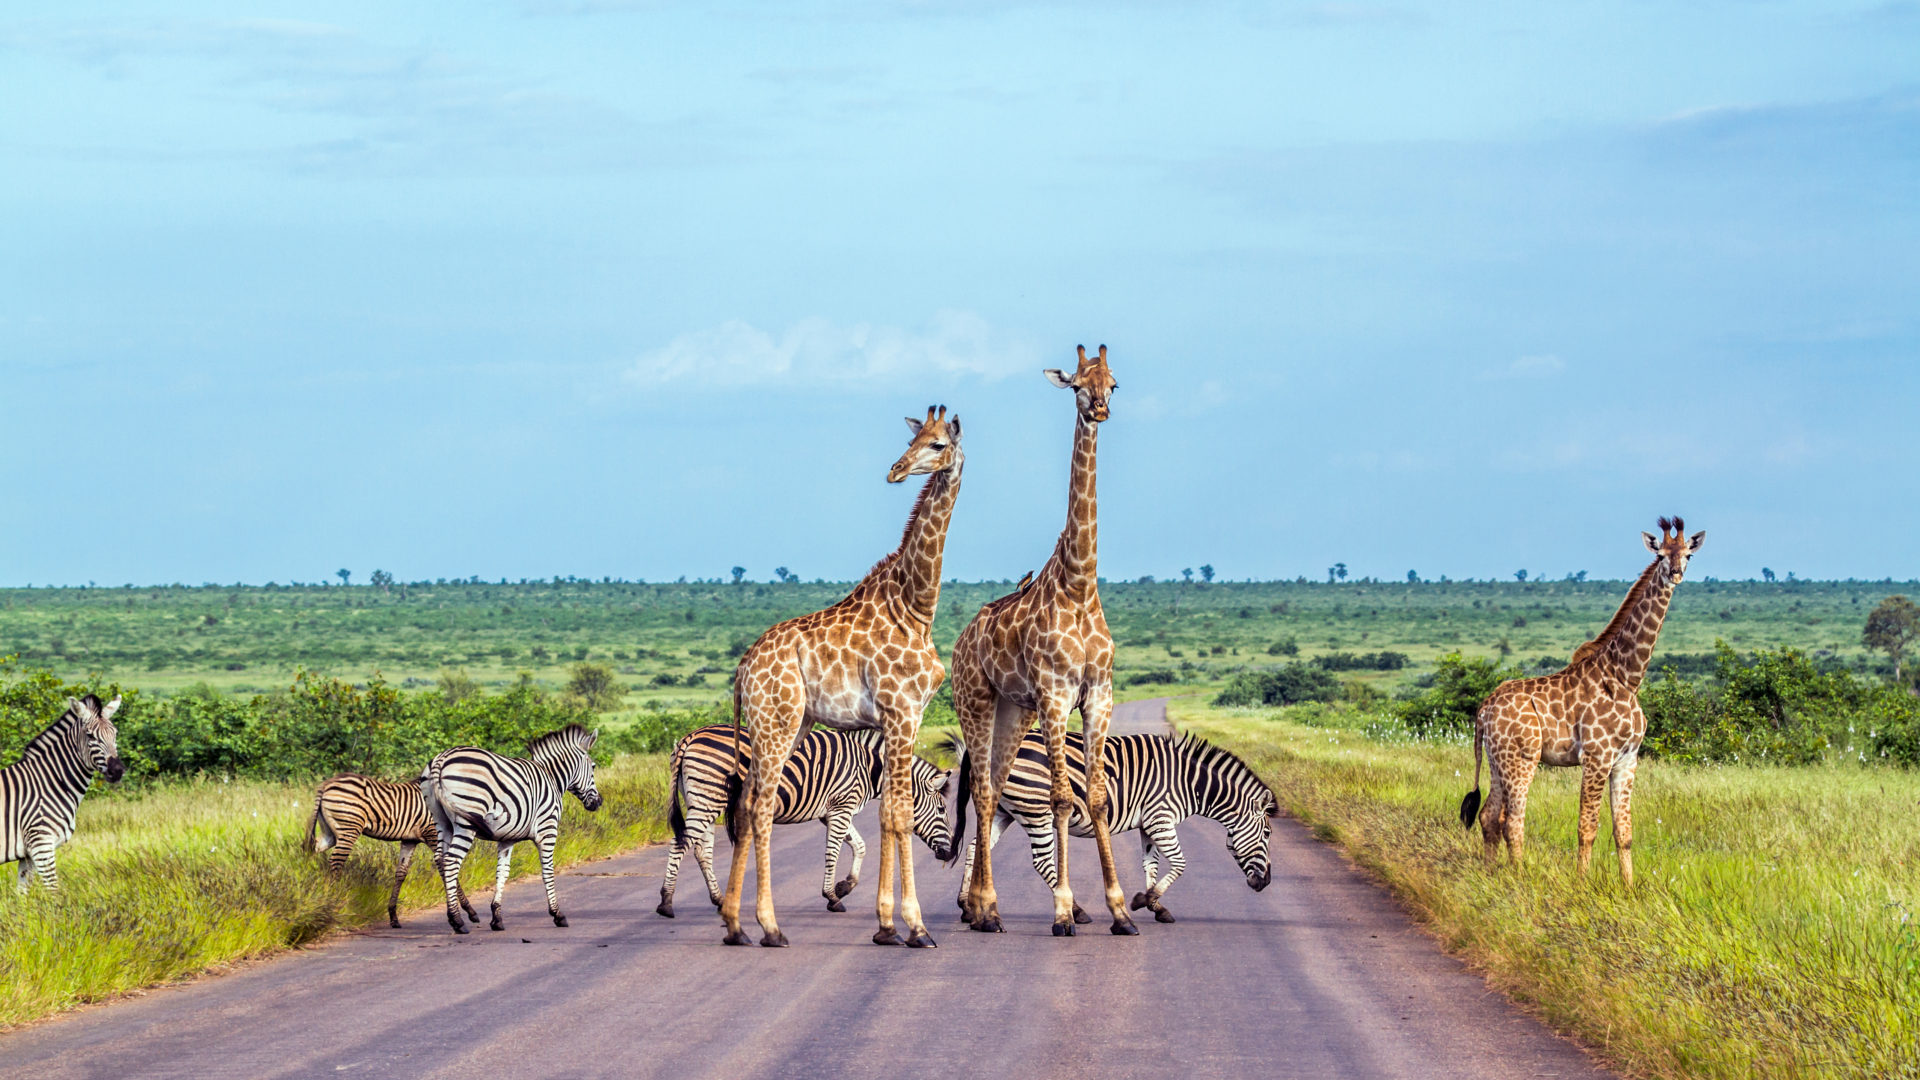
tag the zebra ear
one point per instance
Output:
(85, 708)
(946, 782)
(592, 737)
(112, 707)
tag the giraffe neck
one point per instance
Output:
(1626, 645)
(917, 569)
(1079, 547)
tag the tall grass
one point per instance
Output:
(1772, 929)
(167, 881)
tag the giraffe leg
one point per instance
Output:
(977, 708)
(1053, 720)
(736, 875)
(1493, 812)
(1620, 784)
(502, 866)
(1516, 810)
(400, 878)
(1095, 716)
(1594, 770)
(998, 743)
(896, 836)
(770, 757)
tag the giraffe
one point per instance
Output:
(1587, 715)
(1044, 651)
(866, 662)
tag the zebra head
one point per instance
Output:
(1233, 795)
(930, 807)
(96, 725)
(563, 754)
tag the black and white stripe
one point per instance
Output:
(350, 806)
(474, 794)
(1153, 783)
(40, 793)
(829, 777)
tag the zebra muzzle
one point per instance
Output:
(1259, 881)
(115, 769)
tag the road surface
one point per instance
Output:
(1319, 976)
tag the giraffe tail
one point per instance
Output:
(1470, 806)
(965, 771)
(735, 787)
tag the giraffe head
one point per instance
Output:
(1674, 547)
(935, 446)
(1092, 385)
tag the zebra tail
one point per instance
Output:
(677, 819)
(1470, 806)
(313, 824)
(960, 804)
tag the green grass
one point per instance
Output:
(165, 882)
(1772, 929)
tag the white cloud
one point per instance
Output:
(952, 343)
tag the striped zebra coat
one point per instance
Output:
(474, 794)
(1153, 783)
(829, 777)
(40, 793)
(350, 806)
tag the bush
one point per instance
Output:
(1446, 701)
(595, 687)
(1345, 661)
(1159, 676)
(1777, 706)
(1285, 646)
(1289, 685)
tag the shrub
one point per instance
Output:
(595, 687)
(1445, 702)
(1285, 646)
(1289, 685)
(1344, 661)
(1158, 676)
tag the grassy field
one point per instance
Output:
(1772, 930)
(165, 882)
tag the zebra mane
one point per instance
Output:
(571, 735)
(57, 731)
(1206, 754)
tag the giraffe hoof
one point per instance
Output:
(559, 919)
(921, 940)
(989, 925)
(774, 940)
(1080, 917)
(1159, 915)
(1125, 928)
(1063, 929)
(665, 909)
(738, 937)
(844, 886)
(1139, 901)
(886, 937)
(835, 905)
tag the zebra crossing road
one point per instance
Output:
(1319, 976)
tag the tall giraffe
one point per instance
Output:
(866, 662)
(1586, 715)
(1045, 651)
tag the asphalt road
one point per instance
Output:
(1319, 976)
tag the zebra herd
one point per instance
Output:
(468, 794)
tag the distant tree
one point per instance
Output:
(1520, 576)
(381, 580)
(1146, 579)
(1186, 573)
(784, 574)
(1206, 572)
(1504, 647)
(1766, 574)
(1330, 575)
(738, 573)
(594, 686)
(343, 575)
(1413, 578)
(457, 686)
(1891, 628)
(1340, 570)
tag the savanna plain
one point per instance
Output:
(1770, 930)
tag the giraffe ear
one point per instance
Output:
(1694, 542)
(953, 427)
(1059, 378)
(914, 426)
(1652, 544)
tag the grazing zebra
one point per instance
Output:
(477, 794)
(40, 793)
(1153, 783)
(350, 806)
(831, 775)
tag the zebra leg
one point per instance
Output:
(545, 843)
(343, 841)
(1160, 836)
(503, 865)
(454, 845)
(399, 879)
(1001, 819)
(839, 823)
(672, 875)
(703, 854)
(1096, 715)
(439, 867)
(40, 851)
(26, 873)
(859, 845)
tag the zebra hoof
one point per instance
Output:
(844, 886)
(459, 929)
(1063, 929)
(921, 941)
(496, 924)
(738, 937)
(774, 940)
(559, 919)
(393, 922)
(886, 937)
(1139, 901)
(665, 909)
(1162, 915)
(990, 925)
(1080, 916)
(1125, 928)
(835, 905)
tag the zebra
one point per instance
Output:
(477, 794)
(40, 793)
(350, 806)
(831, 775)
(1153, 783)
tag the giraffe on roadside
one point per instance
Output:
(866, 662)
(1586, 715)
(1044, 651)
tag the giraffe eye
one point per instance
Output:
(937, 446)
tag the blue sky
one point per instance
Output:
(637, 289)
